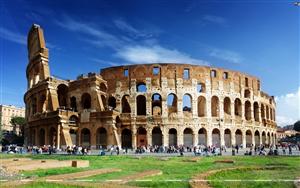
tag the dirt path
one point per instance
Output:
(139, 175)
(82, 174)
(200, 180)
(297, 182)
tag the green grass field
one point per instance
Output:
(273, 172)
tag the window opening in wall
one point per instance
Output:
(258, 85)
(213, 73)
(141, 87)
(155, 70)
(186, 74)
(126, 72)
(225, 75)
(246, 82)
(200, 87)
(187, 103)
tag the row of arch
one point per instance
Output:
(266, 111)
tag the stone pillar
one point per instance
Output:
(133, 131)
(221, 108)
(232, 110)
(58, 133)
(233, 142)
(149, 137)
(209, 137)
(244, 138)
(164, 107)
(222, 139)
(179, 138)
(243, 110)
(260, 138)
(195, 138)
(94, 138)
(253, 138)
(165, 138)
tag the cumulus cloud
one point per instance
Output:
(226, 55)
(156, 54)
(288, 108)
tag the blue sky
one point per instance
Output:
(257, 37)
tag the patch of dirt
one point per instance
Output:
(200, 180)
(191, 159)
(138, 175)
(224, 161)
(81, 174)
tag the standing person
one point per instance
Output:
(237, 148)
(290, 149)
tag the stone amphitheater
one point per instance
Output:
(149, 104)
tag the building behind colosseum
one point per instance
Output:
(150, 104)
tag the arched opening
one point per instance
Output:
(141, 105)
(73, 135)
(238, 137)
(248, 138)
(247, 93)
(112, 102)
(103, 87)
(172, 137)
(52, 136)
(227, 106)
(86, 101)
(187, 103)
(156, 104)
(257, 138)
(227, 138)
(215, 106)
(188, 137)
(74, 121)
(32, 137)
(101, 138)
(156, 136)
(73, 103)
(42, 103)
(34, 106)
(238, 107)
(267, 112)
(262, 111)
(256, 113)
(141, 87)
(201, 106)
(85, 137)
(202, 137)
(103, 99)
(141, 137)
(126, 138)
(247, 110)
(125, 104)
(201, 87)
(264, 139)
(216, 139)
(62, 93)
(172, 104)
(42, 137)
(271, 114)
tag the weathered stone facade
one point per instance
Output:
(150, 104)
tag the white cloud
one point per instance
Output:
(226, 55)
(12, 36)
(215, 19)
(288, 108)
(155, 54)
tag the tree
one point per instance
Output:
(297, 126)
(18, 121)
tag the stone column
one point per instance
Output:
(133, 131)
(179, 138)
(195, 138)
(165, 138)
(253, 138)
(209, 137)
(94, 138)
(232, 110)
(243, 110)
(58, 136)
(149, 137)
(221, 108)
(260, 138)
(222, 139)
(244, 138)
(233, 142)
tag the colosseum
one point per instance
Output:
(149, 104)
